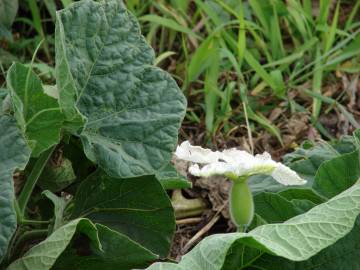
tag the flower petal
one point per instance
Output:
(234, 155)
(286, 176)
(196, 154)
(216, 168)
(235, 163)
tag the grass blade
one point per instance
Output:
(316, 85)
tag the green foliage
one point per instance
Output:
(297, 239)
(37, 113)
(277, 47)
(56, 177)
(304, 227)
(101, 139)
(112, 105)
(132, 110)
(44, 255)
(15, 155)
(115, 203)
(8, 10)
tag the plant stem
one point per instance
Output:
(241, 204)
(34, 222)
(32, 179)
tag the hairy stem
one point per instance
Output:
(31, 181)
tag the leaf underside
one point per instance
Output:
(14, 154)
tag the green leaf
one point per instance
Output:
(37, 114)
(133, 110)
(337, 174)
(14, 154)
(297, 239)
(136, 207)
(274, 208)
(118, 252)
(200, 60)
(56, 177)
(302, 194)
(169, 178)
(59, 208)
(43, 255)
(344, 255)
(277, 85)
(307, 159)
(8, 10)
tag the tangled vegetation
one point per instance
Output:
(95, 96)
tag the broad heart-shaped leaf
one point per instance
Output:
(14, 154)
(37, 113)
(44, 255)
(133, 110)
(296, 239)
(343, 255)
(136, 207)
(337, 174)
(118, 252)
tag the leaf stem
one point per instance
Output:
(34, 222)
(31, 181)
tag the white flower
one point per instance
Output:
(235, 163)
(196, 154)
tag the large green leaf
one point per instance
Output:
(14, 154)
(118, 252)
(297, 239)
(133, 110)
(338, 174)
(137, 207)
(343, 255)
(44, 255)
(37, 113)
